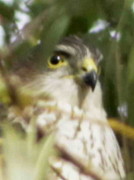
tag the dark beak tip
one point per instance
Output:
(90, 79)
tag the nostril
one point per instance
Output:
(84, 69)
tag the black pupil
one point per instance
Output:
(55, 59)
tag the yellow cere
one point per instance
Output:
(89, 65)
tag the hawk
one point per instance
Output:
(70, 104)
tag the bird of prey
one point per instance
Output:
(70, 105)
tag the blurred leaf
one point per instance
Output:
(18, 164)
(53, 34)
(4, 94)
(6, 12)
(42, 166)
(130, 86)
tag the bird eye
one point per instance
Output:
(56, 61)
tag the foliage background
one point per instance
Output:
(107, 24)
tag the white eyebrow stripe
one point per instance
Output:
(65, 48)
(88, 53)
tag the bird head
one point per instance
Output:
(69, 74)
(74, 60)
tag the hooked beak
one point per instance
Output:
(90, 79)
(90, 72)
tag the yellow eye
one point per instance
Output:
(56, 61)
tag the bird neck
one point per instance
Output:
(84, 101)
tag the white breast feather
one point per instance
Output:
(94, 143)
